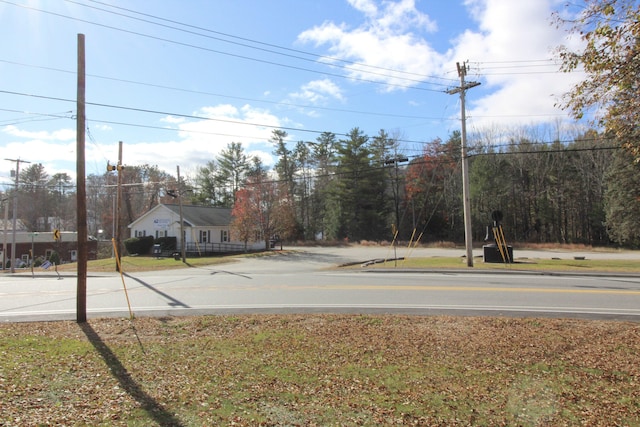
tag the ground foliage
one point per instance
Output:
(289, 370)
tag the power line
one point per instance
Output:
(261, 43)
(43, 117)
(189, 45)
(285, 104)
(558, 150)
(188, 116)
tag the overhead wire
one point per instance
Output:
(193, 46)
(173, 88)
(245, 39)
(257, 42)
(174, 114)
(198, 47)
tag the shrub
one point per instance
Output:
(167, 243)
(139, 245)
(54, 258)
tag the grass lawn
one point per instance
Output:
(584, 266)
(145, 263)
(287, 370)
(323, 369)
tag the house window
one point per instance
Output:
(224, 236)
(48, 253)
(161, 233)
(205, 236)
(140, 233)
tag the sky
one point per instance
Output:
(178, 80)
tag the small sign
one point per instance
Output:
(46, 264)
(56, 234)
(161, 223)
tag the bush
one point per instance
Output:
(167, 243)
(139, 245)
(54, 258)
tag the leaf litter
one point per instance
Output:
(290, 370)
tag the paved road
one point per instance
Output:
(307, 281)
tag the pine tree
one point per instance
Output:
(622, 200)
(357, 205)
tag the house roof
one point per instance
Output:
(198, 216)
(203, 216)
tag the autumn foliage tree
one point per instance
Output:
(255, 211)
(432, 191)
(610, 57)
(243, 226)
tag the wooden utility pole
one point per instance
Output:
(15, 214)
(183, 243)
(81, 193)
(468, 232)
(118, 207)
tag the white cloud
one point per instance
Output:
(386, 41)
(507, 53)
(394, 16)
(506, 34)
(318, 92)
(368, 7)
(197, 142)
(173, 120)
(203, 140)
(58, 135)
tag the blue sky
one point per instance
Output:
(177, 81)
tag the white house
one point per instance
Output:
(206, 228)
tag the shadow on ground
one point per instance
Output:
(147, 403)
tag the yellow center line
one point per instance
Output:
(485, 289)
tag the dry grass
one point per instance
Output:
(321, 370)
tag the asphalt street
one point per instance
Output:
(306, 280)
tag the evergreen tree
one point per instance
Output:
(323, 161)
(205, 182)
(302, 157)
(286, 166)
(622, 200)
(357, 199)
(34, 198)
(233, 166)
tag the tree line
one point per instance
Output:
(364, 188)
(355, 187)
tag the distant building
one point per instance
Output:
(43, 245)
(207, 229)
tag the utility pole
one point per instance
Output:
(468, 232)
(183, 244)
(118, 207)
(15, 213)
(5, 201)
(81, 194)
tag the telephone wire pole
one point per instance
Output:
(81, 194)
(468, 232)
(15, 215)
